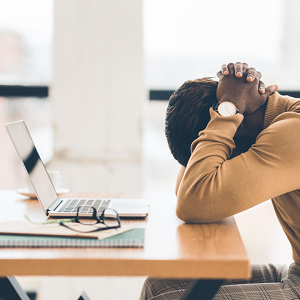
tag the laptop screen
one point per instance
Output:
(32, 162)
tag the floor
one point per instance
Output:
(262, 235)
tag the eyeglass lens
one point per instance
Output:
(108, 217)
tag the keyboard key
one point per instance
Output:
(80, 203)
(90, 202)
(65, 205)
(71, 206)
(104, 205)
(97, 203)
(85, 209)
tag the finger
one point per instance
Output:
(230, 67)
(261, 87)
(251, 74)
(225, 70)
(245, 67)
(219, 74)
(258, 75)
(271, 89)
(238, 68)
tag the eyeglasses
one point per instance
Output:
(109, 218)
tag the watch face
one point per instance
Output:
(227, 109)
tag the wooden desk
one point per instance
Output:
(172, 248)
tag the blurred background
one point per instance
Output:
(91, 79)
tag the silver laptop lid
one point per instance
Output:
(32, 162)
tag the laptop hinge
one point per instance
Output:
(54, 205)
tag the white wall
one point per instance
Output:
(98, 88)
(290, 76)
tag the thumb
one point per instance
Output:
(271, 89)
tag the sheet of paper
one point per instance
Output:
(27, 228)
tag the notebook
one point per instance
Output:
(27, 228)
(133, 238)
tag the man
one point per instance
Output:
(245, 149)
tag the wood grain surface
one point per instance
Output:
(172, 248)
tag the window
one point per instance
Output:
(26, 42)
(192, 39)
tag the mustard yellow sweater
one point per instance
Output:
(213, 186)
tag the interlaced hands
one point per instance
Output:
(242, 86)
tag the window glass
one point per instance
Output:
(192, 39)
(25, 41)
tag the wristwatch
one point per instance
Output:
(225, 109)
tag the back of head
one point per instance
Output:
(188, 114)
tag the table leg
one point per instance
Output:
(84, 296)
(202, 290)
(11, 290)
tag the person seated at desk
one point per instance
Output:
(238, 148)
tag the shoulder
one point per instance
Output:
(278, 145)
(293, 104)
(287, 120)
(286, 123)
(283, 131)
(278, 104)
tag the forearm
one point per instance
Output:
(214, 187)
(179, 178)
(213, 147)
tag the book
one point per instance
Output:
(27, 228)
(131, 238)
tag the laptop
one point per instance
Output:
(63, 207)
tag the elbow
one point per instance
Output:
(193, 216)
(181, 214)
(187, 213)
(189, 216)
(176, 190)
(185, 208)
(196, 211)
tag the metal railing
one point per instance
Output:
(20, 91)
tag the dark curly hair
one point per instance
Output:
(188, 114)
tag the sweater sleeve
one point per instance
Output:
(179, 178)
(215, 187)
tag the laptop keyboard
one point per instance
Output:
(71, 205)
